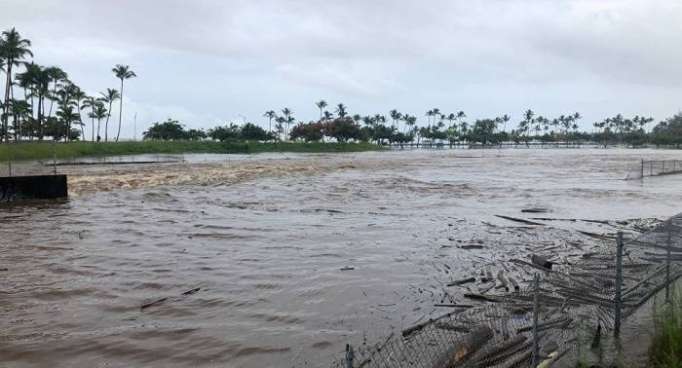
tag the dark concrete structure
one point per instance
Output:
(33, 187)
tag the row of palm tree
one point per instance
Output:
(34, 115)
(453, 127)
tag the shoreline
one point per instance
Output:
(48, 150)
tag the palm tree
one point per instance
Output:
(270, 115)
(527, 124)
(58, 78)
(288, 119)
(13, 49)
(539, 124)
(410, 121)
(78, 96)
(21, 110)
(122, 72)
(108, 97)
(40, 88)
(67, 116)
(341, 110)
(28, 79)
(429, 115)
(379, 119)
(396, 117)
(100, 112)
(436, 114)
(24, 80)
(66, 98)
(505, 119)
(279, 127)
(91, 103)
(451, 117)
(2, 105)
(321, 104)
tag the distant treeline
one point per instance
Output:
(441, 128)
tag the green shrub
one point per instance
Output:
(666, 347)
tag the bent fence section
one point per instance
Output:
(548, 321)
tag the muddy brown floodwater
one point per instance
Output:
(266, 237)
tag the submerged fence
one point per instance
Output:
(660, 167)
(558, 312)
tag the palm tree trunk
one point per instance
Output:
(120, 112)
(6, 108)
(15, 118)
(106, 123)
(92, 125)
(54, 92)
(41, 127)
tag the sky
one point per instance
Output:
(207, 62)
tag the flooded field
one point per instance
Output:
(294, 255)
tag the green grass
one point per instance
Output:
(666, 347)
(45, 150)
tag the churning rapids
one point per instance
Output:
(294, 255)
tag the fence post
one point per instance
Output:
(54, 158)
(619, 284)
(642, 169)
(668, 245)
(536, 312)
(349, 356)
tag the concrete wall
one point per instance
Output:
(33, 187)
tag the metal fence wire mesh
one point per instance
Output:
(660, 167)
(542, 323)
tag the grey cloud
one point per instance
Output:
(211, 59)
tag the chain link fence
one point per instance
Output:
(660, 167)
(546, 322)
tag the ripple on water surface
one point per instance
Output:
(293, 258)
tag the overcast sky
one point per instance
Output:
(206, 62)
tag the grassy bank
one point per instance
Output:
(666, 347)
(44, 150)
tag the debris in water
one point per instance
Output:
(347, 268)
(454, 305)
(190, 292)
(527, 222)
(159, 301)
(462, 282)
(480, 297)
(534, 210)
(593, 235)
(469, 345)
(541, 261)
(471, 246)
